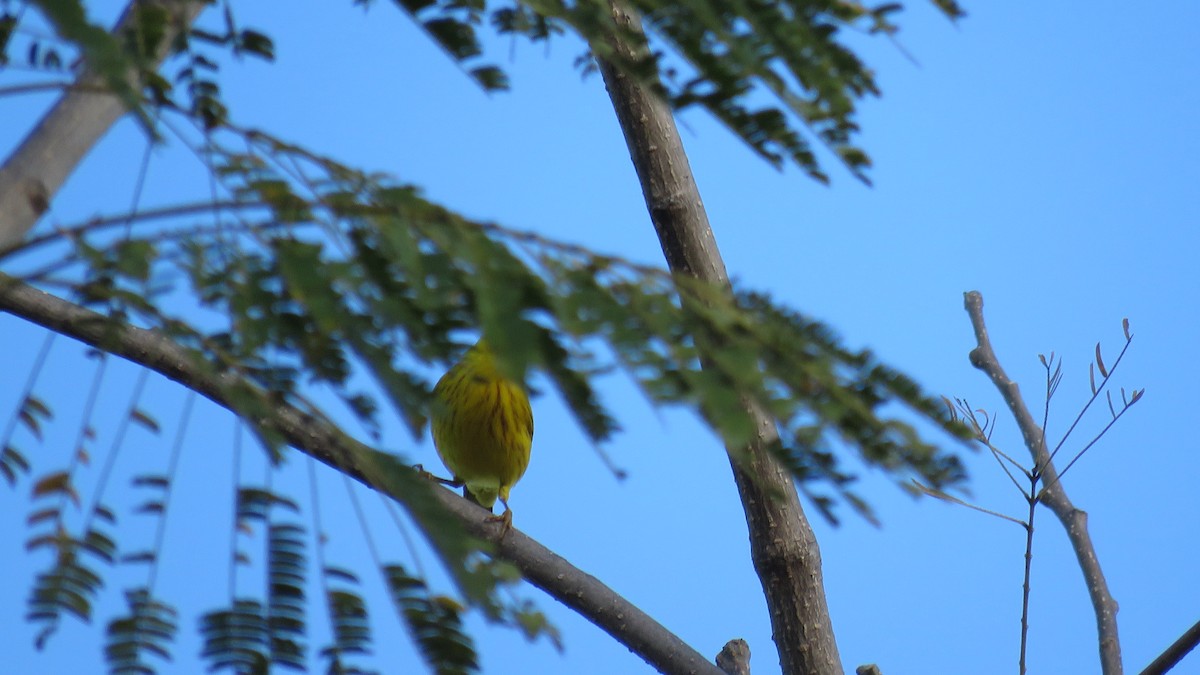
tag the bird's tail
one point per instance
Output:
(475, 500)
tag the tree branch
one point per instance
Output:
(1173, 654)
(782, 544)
(1054, 496)
(540, 566)
(734, 658)
(35, 172)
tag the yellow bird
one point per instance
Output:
(482, 428)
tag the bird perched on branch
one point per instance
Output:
(482, 428)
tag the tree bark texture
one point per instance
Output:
(782, 544)
(734, 658)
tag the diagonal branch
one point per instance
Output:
(1054, 496)
(1175, 653)
(35, 172)
(540, 566)
(783, 546)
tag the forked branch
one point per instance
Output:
(1053, 495)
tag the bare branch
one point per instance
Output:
(1097, 437)
(998, 453)
(1025, 585)
(933, 492)
(1106, 375)
(1053, 495)
(983, 436)
(540, 566)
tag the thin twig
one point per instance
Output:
(938, 494)
(1025, 586)
(1087, 447)
(1053, 495)
(998, 453)
(1095, 395)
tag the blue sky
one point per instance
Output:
(1045, 155)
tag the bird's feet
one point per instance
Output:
(420, 469)
(505, 520)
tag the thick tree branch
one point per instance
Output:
(734, 658)
(33, 174)
(1173, 654)
(539, 565)
(1054, 496)
(782, 544)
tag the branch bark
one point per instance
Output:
(734, 658)
(1054, 496)
(782, 544)
(540, 566)
(33, 174)
(1173, 654)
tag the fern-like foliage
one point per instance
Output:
(715, 54)
(287, 565)
(103, 53)
(70, 586)
(13, 464)
(254, 504)
(31, 414)
(73, 581)
(363, 273)
(149, 628)
(725, 57)
(348, 620)
(435, 622)
(236, 638)
(249, 635)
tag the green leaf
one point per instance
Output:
(258, 44)
(435, 623)
(148, 628)
(286, 604)
(134, 258)
(457, 37)
(68, 587)
(348, 619)
(236, 638)
(490, 78)
(102, 53)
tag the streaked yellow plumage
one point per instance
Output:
(482, 427)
